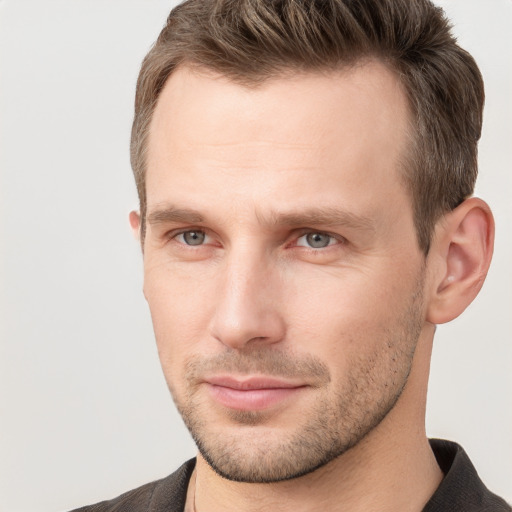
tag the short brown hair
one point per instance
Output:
(250, 41)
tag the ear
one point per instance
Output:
(135, 224)
(460, 256)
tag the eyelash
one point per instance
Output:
(335, 238)
(173, 235)
(303, 233)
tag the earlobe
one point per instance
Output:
(135, 224)
(463, 249)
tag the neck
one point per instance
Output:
(392, 468)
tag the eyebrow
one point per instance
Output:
(172, 214)
(321, 216)
(303, 218)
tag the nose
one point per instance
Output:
(248, 308)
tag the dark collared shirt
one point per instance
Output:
(460, 491)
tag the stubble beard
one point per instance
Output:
(254, 452)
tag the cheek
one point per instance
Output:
(180, 310)
(344, 316)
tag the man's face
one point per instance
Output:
(281, 263)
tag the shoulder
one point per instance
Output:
(167, 494)
(461, 488)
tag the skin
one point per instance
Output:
(239, 181)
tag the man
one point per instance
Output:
(305, 172)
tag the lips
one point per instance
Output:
(252, 393)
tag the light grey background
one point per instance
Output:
(85, 413)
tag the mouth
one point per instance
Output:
(253, 393)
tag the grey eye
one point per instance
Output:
(193, 237)
(318, 240)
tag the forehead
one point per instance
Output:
(366, 89)
(304, 136)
